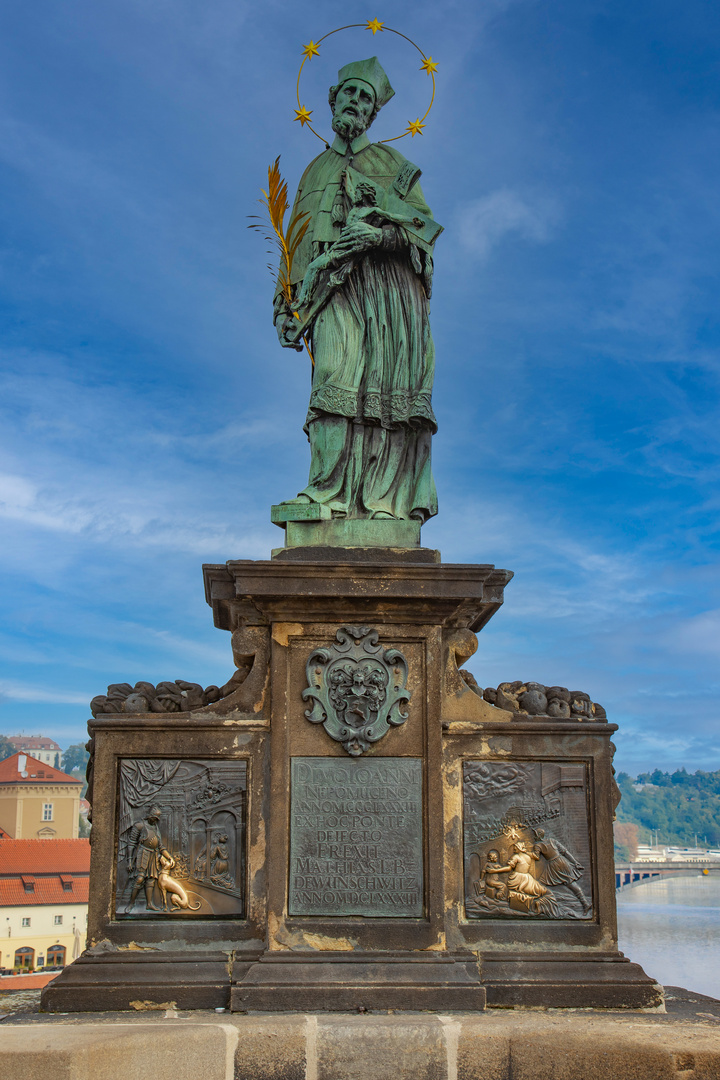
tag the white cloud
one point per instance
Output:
(700, 634)
(486, 221)
(12, 691)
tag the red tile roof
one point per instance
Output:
(33, 772)
(36, 872)
(44, 857)
(46, 890)
(32, 742)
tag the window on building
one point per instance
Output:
(47, 811)
(24, 958)
(58, 920)
(56, 956)
(26, 922)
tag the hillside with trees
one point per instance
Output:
(677, 806)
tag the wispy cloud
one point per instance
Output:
(484, 223)
(12, 691)
(148, 418)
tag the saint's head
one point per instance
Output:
(361, 91)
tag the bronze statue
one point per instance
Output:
(360, 281)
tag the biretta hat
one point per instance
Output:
(369, 71)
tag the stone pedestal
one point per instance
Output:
(349, 823)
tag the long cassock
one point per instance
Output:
(370, 419)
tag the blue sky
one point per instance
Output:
(148, 417)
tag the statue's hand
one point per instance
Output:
(283, 319)
(284, 328)
(357, 238)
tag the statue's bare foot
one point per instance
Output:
(300, 500)
(382, 515)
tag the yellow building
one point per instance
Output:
(43, 902)
(38, 801)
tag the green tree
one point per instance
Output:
(75, 757)
(6, 748)
(676, 806)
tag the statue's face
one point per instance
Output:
(355, 99)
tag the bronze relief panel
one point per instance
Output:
(181, 838)
(526, 840)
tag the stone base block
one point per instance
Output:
(106, 1051)
(372, 555)
(605, 981)
(129, 980)
(281, 513)
(682, 1044)
(343, 982)
(352, 532)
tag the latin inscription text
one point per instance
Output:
(356, 837)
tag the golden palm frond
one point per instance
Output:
(275, 201)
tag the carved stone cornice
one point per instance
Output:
(250, 592)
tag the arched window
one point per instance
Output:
(25, 957)
(56, 956)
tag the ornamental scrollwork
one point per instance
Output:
(357, 688)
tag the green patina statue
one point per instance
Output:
(361, 281)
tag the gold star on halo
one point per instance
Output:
(429, 65)
(303, 115)
(310, 50)
(415, 127)
(374, 25)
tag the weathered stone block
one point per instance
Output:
(381, 1048)
(110, 1051)
(272, 1048)
(480, 1054)
(592, 1057)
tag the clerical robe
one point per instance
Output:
(370, 418)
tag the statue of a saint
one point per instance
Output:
(361, 282)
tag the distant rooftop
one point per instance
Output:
(44, 857)
(32, 742)
(44, 872)
(24, 769)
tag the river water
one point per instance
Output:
(672, 928)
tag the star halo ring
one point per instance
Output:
(415, 127)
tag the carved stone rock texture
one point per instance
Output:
(243, 690)
(526, 840)
(357, 688)
(181, 838)
(356, 841)
(534, 699)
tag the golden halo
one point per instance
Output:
(415, 127)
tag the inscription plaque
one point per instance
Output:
(356, 837)
(526, 839)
